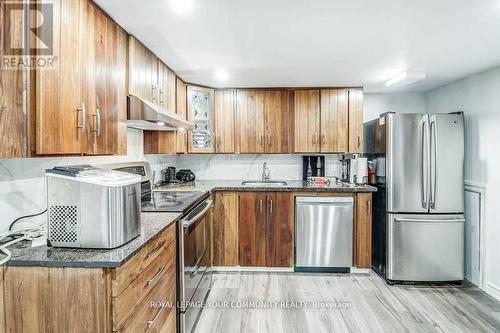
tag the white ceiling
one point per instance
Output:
(286, 43)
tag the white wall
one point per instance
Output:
(479, 97)
(376, 104)
(22, 185)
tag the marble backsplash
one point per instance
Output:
(249, 167)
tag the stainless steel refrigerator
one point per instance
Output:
(418, 215)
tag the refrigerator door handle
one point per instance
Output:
(425, 163)
(429, 220)
(434, 163)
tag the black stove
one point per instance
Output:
(172, 201)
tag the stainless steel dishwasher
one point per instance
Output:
(323, 234)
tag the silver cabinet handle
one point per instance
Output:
(156, 249)
(83, 111)
(151, 322)
(323, 140)
(261, 140)
(271, 206)
(97, 117)
(162, 96)
(155, 276)
(153, 92)
(261, 205)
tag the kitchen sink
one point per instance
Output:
(264, 183)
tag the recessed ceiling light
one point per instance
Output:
(405, 78)
(221, 75)
(181, 7)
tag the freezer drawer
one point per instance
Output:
(323, 227)
(425, 247)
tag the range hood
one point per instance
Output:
(145, 115)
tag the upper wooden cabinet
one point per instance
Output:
(225, 110)
(104, 84)
(356, 121)
(181, 110)
(79, 106)
(166, 87)
(277, 115)
(200, 106)
(12, 113)
(328, 121)
(334, 121)
(250, 121)
(307, 121)
(143, 72)
(264, 121)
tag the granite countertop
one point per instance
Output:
(152, 224)
(292, 186)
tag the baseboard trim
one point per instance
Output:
(493, 291)
(252, 269)
(355, 270)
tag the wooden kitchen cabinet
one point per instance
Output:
(265, 229)
(57, 299)
(307, 121)
(264, 121)
(181, 110)
(362, 231)
(79, 107)
(225, 110)
(356, 121)
(225, 229)
(104, 84)
(166, 87)
(143, 72)
(334, 121)
(200, 109)
(250, 121)
(277, 115)
(12, 113)
(61, 110)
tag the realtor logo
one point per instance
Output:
(28, 34)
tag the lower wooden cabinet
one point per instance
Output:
(54, 299)
(265, 229)
(362, 249)
(225, 229)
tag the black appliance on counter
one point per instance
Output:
(185, 175)
(313, 166)
(168, 175)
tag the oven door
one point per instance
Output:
(194, 251)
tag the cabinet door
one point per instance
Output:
(250, 121)
(225, 229)
(334, 121)
(225, 109)
(12, 113)
(307, 121)
(362, 254)
(181, 109)
(252, 229)
(277, 113)
(143, 69)
(355, 121)
(279, 240)
(200, 105)
(104, 85)
(61, 124)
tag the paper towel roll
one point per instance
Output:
(362, 171)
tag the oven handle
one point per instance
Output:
(187, 223)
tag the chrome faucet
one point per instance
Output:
(265, 173)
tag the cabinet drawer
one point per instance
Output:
(151, 318)
(124, 275)
(161, 270)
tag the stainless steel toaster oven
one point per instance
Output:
(90, 207)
